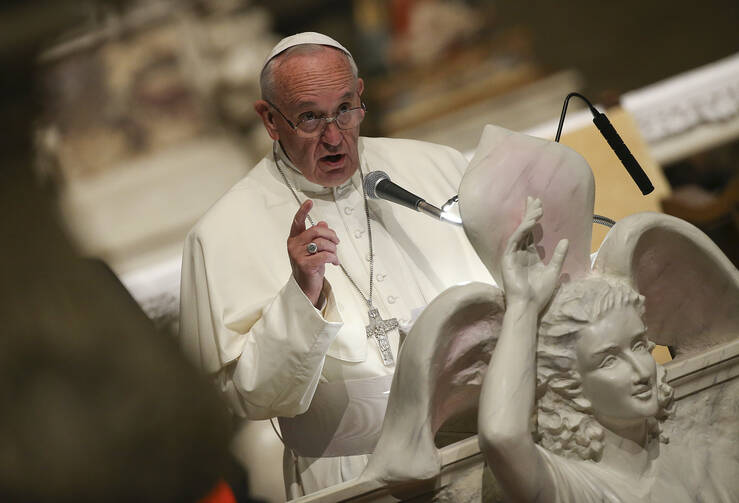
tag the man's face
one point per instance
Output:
(618, 371)
(309, 85)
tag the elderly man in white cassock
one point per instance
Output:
(296, 288)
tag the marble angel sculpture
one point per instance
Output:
(572, 405)
(601, 395)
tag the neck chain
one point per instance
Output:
(377, 327)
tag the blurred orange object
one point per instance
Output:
(221, 493)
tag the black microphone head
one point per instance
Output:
(371, 181)
(623, 153)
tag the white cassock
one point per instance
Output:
(246, 322)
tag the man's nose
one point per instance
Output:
(331, 134)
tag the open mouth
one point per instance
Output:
(332, 159)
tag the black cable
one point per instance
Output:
(593, 110)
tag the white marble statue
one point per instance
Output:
(573, 407)
(591, 383)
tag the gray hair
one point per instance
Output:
(564, 417)
(267, 81)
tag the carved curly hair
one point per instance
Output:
(564, 421)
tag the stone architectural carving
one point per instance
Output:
(706, 95)
(650, 264)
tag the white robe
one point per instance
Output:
(244, 319)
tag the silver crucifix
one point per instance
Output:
(378, 328)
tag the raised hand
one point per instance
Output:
(525, 277)
(309, 268)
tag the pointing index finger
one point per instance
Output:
(298, 224)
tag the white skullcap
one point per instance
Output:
(307, 37)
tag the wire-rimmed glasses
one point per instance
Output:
(310, 127)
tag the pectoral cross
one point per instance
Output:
(378, 328)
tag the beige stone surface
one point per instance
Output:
(146, 206)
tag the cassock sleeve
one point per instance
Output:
(267, 358)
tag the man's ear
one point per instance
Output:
(265, 112)
(360, 86)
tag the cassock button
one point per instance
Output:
(381, 276)
(358, 234)
(348, 210)
(391, 299)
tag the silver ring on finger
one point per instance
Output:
(312, 248)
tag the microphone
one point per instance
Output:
(377, 185)
(622, 151)
(614, 141)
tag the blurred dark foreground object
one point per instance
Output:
(98, 406)
(95, 404)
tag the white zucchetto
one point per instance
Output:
(307, 37)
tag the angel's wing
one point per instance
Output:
(691, 288)
(439, 373)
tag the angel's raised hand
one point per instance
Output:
(525, 277)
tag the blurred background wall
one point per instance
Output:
(146, 116)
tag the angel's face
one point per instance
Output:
(619, 375)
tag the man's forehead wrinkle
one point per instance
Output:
(309, 102)
(310, 87)
(303, 77)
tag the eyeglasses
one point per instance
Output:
(310, 127)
